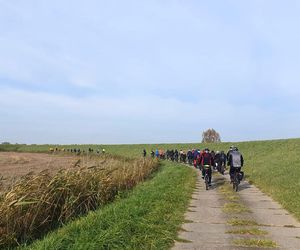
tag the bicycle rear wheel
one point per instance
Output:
(206, 181)
(222, 170)
(236, 181)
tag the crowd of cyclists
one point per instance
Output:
(204, 160)
(77, 151)
(213, 160)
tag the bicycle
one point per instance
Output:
(206, 175)
(221, 168)
(236, 179)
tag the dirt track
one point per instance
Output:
(14, 165)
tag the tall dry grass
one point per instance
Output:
(40, 202)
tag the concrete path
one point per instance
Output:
(207, 225)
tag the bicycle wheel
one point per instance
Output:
(206, 181)
(236, 180)
(222, 170)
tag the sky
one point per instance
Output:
(151, 71)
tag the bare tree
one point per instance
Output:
(210, 135)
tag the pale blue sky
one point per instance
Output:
(148, 71)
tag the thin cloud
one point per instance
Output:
(114, 120)
(141, 71)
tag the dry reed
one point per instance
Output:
(40, 202)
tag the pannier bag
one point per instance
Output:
(241, 175)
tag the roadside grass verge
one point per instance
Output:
(273, 167)
(148, 217)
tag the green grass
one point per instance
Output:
(240, 222)
(249, 231)
(234, 208)
(228, 193)
(146, 218)
(263, 243)
(272, 165)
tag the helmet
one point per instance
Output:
(206, 150)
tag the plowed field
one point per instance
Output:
(14, 165)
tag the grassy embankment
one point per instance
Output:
(273, 166)
(146, 218)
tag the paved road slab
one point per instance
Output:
(207, 227)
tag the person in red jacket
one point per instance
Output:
(206, 160)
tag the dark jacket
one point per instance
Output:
(230, 161)
(206, 159)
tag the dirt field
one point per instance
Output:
(14, 165)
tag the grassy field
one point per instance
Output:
(273, 166)
(146, 218)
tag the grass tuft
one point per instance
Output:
(227, 192)
(183, 240)
(263, 243)
(234, 208)
(248, 231)
(240, 222)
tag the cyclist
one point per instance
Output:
(180, 155)
(172, 155)
(157, 153)
(183, 157)
(229, 151)
(176, 154)
(222, 159)
(152, 153)
(206, 159)
(236, 162)
(217, 161)
(144, 152)
(190, 156)
(213, 154)
(196, 156)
